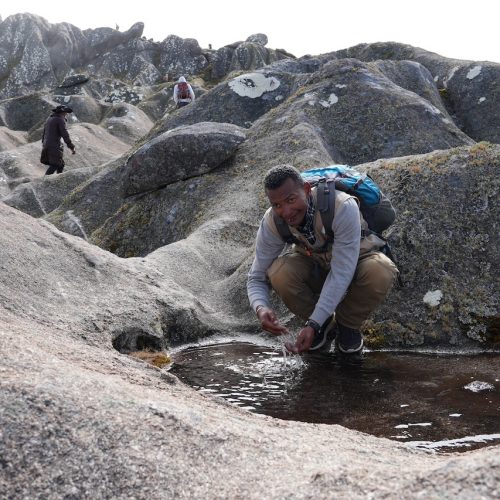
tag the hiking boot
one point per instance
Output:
(348, 340)
(323, 339)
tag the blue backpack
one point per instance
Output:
(376, 208)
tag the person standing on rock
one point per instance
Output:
(183, 93)
(331, 287)
(52, 148)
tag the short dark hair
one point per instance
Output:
(277, 176)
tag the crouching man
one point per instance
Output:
(331, 287)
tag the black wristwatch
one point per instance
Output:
(314, 325)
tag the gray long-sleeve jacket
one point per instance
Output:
(346, 226)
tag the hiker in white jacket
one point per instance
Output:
(183, 93)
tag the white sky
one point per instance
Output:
(452, 28)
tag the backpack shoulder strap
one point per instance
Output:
(284, 230)
(325, 202)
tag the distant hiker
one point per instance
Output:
(332, 286)
(183, 93)
(52, 148)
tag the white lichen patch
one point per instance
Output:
(474, 72)
(340, 85)
(310, 97)
(279, 98)
(432, 299)
(253, 84)
(332, 99)
(450, 76)
(436, 78)
(481, 99)
(478, 386)
(430, 107)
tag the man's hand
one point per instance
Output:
(269, 321)
(303, 342)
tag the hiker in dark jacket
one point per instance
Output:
(183, 93)
(52, 148)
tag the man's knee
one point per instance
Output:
(287, 271)
(376, 272)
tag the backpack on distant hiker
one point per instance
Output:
(376, 208)
(183, 91)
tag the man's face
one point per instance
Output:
(289, 201)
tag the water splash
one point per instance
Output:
(289, 339)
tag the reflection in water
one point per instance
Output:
(425, 400)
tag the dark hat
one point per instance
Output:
(62, 109)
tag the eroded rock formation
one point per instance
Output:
(145, 240)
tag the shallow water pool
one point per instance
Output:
(439, 402)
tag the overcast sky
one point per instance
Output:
(463, 30)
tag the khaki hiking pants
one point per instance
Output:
(298, 280)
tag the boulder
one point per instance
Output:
(364, 116)
(85, 108)
(73, 80)
(102, 40)
(259, 38)
(126, 122)
(469, 89)
(246, 56)
(473, 96)
(444, 240)
(181, 56)
(26, 60)
(414, 77)
(180, 154)
(118, 91)
(26, 112)
(306, 64)
(132, 62)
